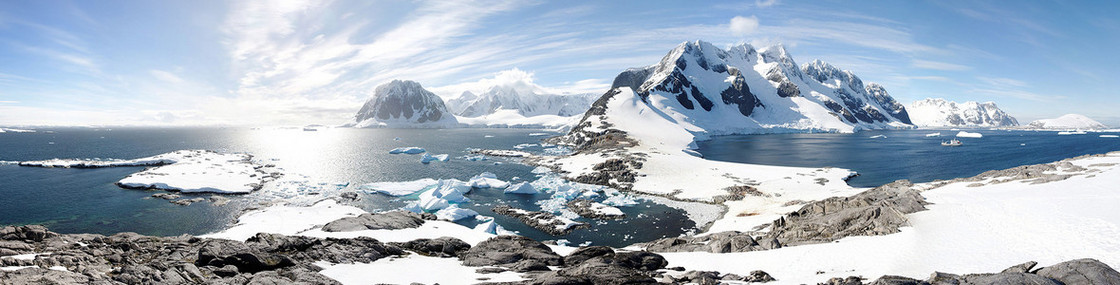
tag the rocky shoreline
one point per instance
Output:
(129, 258)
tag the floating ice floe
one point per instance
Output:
(487, 180)
(964, 134)
(1110, 136)
(16, 131)
(399, 188)
(933, 135)
(502, 152)
(184, 170)
(454, 213)
(428, 158)
(1071, 133)
(477, 157)
(537, 134)
(524, 145)
(407, 150)
(879, 136)
(605, 210)
(521, 188)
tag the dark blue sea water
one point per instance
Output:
(906, 154)
(86, 201)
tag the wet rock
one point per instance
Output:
(1081, 271)
(33, 233)
(507, 250)
(595, 271)
(700, 277)
(166, 196)
(586, 208)
(187, 202)
(545, 222)
(440, 247)
(376, 221)
(218, 200)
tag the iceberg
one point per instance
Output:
(1110, 136)
(524, 145)
(933, 135)
(445, 193)
(964, 134)
(428, 158)
(521, 188)
(487, 180)
(399, 188)
(454, 213)
(1071, 133)
(879, 137)
(407, 150)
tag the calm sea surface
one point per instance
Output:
(906, 154)
(321, 163)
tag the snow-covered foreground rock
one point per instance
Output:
(188, 171)
(1047, 213)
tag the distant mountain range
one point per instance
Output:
(943, 113)
(406, 104)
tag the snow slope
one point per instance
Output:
(1068, 122)
(404, 104)
(966, 229)
(943, 113)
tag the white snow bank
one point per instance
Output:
(287, 220)
(413, 268)
(964, 134)
(521, 188)
(407, 150)
(400, 188)
(487, 180)
(1068, 122)
(965, 230)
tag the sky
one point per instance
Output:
(296, 62)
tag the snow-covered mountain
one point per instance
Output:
(528, 103)
(1068, 122)
(705, 90)
(943, 113)
(404, 104)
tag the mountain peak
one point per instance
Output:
(404, 103)
(939, 112)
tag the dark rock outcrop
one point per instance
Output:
(439, 247)
(545, 222)
(376, 221)
(584, 208)
(129, 258)
(517, 252)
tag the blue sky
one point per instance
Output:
(301, 62)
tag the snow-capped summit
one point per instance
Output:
(706, 90)
(939, 112)
(525, 101)
(404, 104)
(1068, 122)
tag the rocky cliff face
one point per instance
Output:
(404, 104)
(943, 113)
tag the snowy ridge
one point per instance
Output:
(1068, 122)
(404, 104)
(943, 113)
(525, 101)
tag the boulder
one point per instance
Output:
(376, 221)
(507, 250)
(1081, 271)
(440, 247)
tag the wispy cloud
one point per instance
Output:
(937, 65)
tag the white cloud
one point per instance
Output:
(765, 3)
(743, 26)
(522, 82)
(937, 65)
(166, 76)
